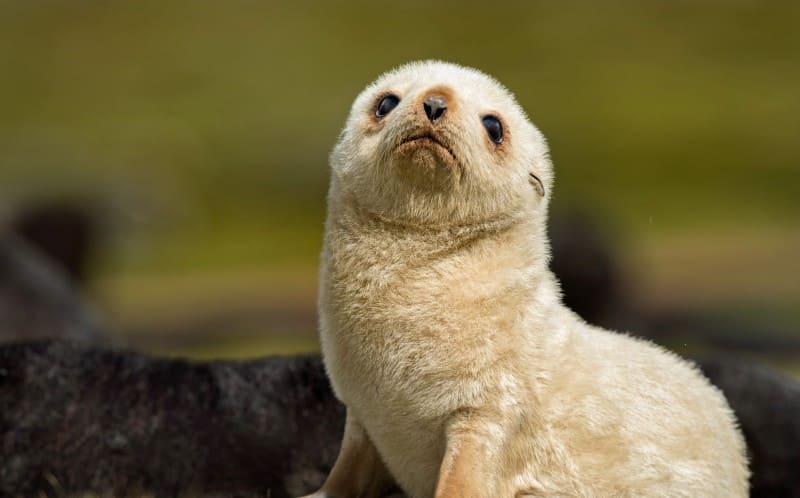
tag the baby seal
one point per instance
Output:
(443, 330)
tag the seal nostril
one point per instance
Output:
(435, 106)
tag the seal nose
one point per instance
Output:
(435, 106)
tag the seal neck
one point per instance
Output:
(348, 207)
(521, 234)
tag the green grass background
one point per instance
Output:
(202, 130)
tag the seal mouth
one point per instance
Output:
(429, 139)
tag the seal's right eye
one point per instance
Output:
(386, 105)
(494, 128)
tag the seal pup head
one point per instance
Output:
(436, 144)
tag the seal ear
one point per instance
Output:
(537, 183)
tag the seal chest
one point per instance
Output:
(405, 362)
(444, 335)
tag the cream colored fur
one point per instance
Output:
(443, 330)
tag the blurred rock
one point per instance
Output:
(767, 405)
(583, 260)
(76, 419)
(65, 232)
(37, 299)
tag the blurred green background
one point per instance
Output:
(199, 132)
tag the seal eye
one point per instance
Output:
(494, 128)
(386, 105)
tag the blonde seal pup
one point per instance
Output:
(444, 334)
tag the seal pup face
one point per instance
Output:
(434, 143)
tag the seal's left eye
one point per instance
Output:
(386, 105)
(494, 128)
